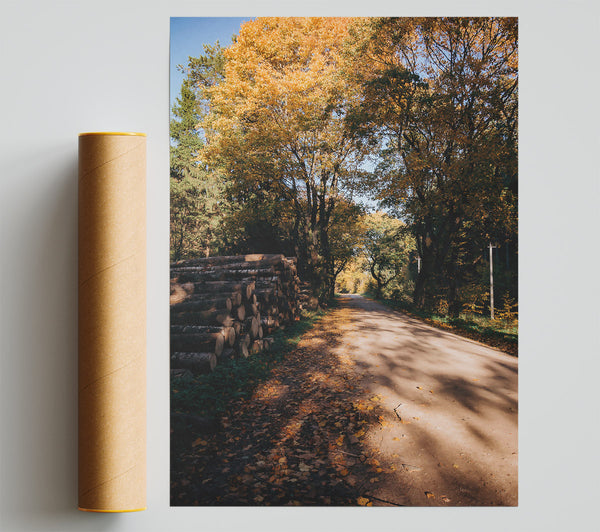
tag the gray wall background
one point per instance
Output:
(67, 67)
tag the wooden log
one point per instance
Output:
(206, 293)
(251, 326)
(267, 288)
(236, 298)
(232, 285)
(239, 313)
(245, 287)
(185, 275)
(206, 317)
(240, 265)
(196, 343)
(217, 299)
(237, 327)
(202, 293)
(243, 345)
(209, 331)
(267, 296)
(229, 335)
(268, 342)
(199, 363)
(198, 304)
(256, 347)
(198, 329)
(180, 292)
(201, 261)
(202, 337)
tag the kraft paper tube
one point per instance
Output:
(112, 322)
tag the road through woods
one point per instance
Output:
(450, 409)
(372, 408)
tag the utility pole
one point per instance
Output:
(491, 282)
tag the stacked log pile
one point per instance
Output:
(225, 307)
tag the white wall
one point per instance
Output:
(67, 67)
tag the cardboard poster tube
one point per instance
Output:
(112, 322)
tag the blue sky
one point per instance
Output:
(188, 34)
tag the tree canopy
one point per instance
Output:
(280, 135)
(440, 102)
(277, 127)
(197, 193)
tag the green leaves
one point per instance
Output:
(197, 193)
(440, 99)
(388, 247)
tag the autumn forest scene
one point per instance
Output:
(344, 261)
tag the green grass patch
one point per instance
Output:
(209, 395)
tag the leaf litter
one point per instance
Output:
(299, 440)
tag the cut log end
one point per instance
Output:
(198, 363)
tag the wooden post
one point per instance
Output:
(491, 282)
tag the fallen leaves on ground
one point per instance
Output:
(298, 440)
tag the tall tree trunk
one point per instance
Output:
(379, 289)
(454, 303)
(332, 286)
(327, 278)
(419, 292)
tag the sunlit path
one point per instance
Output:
(450, 422)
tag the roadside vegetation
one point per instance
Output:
(501, 332)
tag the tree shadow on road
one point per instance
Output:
(413, 366)
(312, 433)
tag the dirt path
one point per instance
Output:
(372, 408)
(455, 440)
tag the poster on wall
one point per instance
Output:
(343, 250)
